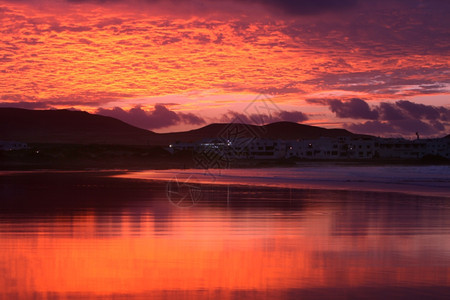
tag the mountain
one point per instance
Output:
(65, 126)
(77, 127)
(279, 130)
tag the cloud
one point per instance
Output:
(390, 112)
(292, 116)
(375, 49)
(298, 7)
(404, 110)
(354, 108)
(190, 118)
(109, 22)
(261, 119)
(6, 58)
(401, 117)
(420, 111)
(404, 127)
(160, 117)
(403, 81)
(308, 7)
(59, 28)
(85, 41)
(25, 105)
(286, 89)
(392, 49)
(93, 99)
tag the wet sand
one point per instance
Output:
(89, 235)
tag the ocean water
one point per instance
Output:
(424, 180)
(305, 233)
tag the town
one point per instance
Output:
(323, 148)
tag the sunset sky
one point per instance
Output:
(378, 67)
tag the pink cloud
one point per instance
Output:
(160, 117)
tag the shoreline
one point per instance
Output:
(82, 157)
(330, 178)
(403, 180)
(176, 163)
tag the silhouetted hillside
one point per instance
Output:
(64, 126)
(279, 130)
(76, 127)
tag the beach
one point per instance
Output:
(273, 233)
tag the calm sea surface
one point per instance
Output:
(301, 233)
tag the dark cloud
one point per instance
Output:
(354, 108)
(403, 110)
(31, 41)
(109, 22)
(406, 127)
(170, 40)
(60, 28)
(422, 111)
(160, 117)
(261, 119)
(290, 7)
(318, 101)
(301, 7)
(6, 58)
(401, 117)
(308, 7)
(419, 80)
(85, 41)
(219, 38)
(93, 99)
(390, 112)
(25, 105)
(371, 127)
(287, 7)
(202, 38)
(287, 89)
(4, 9)
(190, 118)
(292, 116)
(379, 30)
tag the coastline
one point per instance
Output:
(428, 181)
(85, 157)
(300, 241)
(413, 180)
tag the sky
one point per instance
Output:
(377, 67)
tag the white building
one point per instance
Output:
(401, 148)
(439, 147)
(240, 148)
(340, 148)
(10, 146)
(333, 148)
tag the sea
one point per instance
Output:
(307, 232)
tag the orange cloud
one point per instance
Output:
(91, 53)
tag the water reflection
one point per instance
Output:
(80, 235)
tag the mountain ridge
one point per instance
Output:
(79, 127)
(66, 126)
(277, 130)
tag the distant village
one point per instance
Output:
(323, 148)
(10, 146)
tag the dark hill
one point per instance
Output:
(65, 126)
(77, 127)
(289, 130)
(279, 130)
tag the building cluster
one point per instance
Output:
(339, 148)
(10, 146)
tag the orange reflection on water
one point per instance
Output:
(207, 250)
